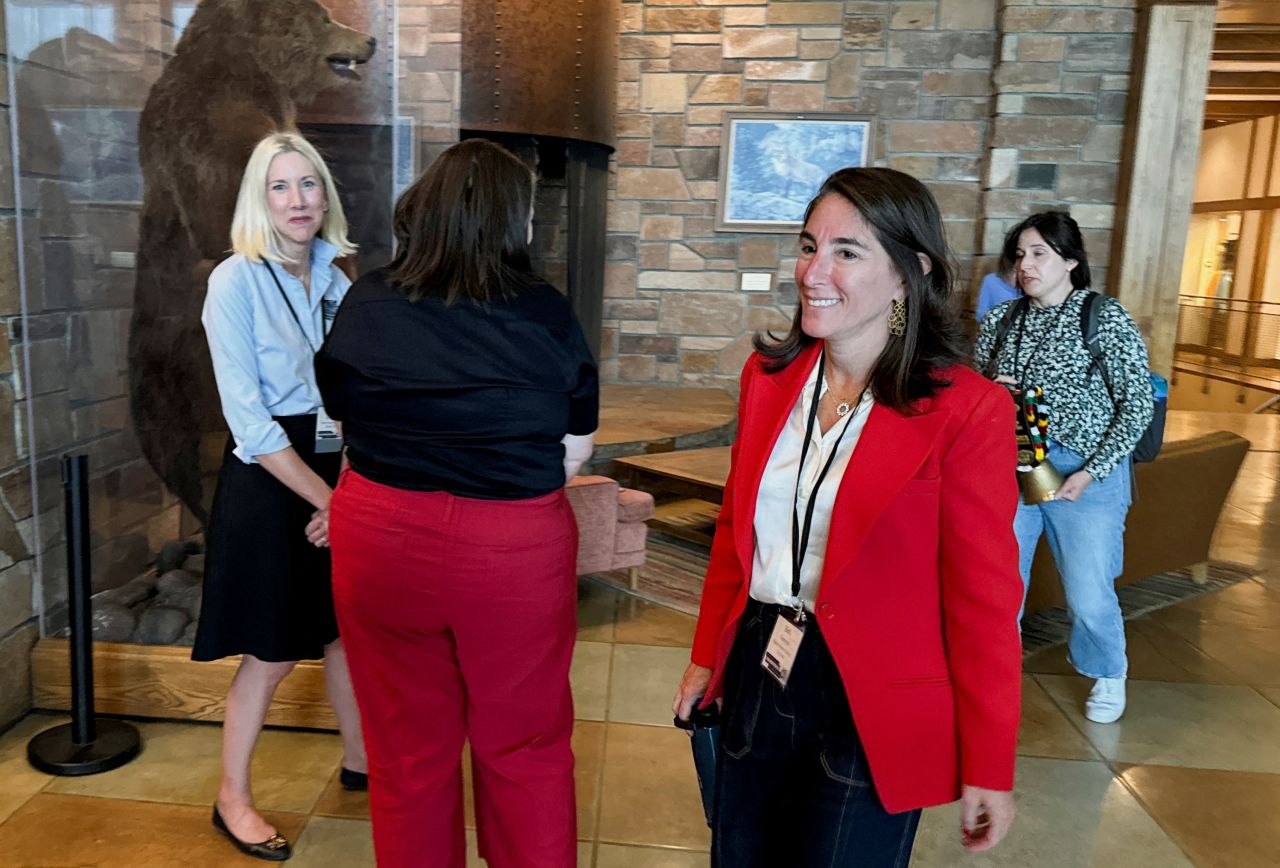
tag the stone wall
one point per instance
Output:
(1062, 85)
(428, 77)
(1001, 107)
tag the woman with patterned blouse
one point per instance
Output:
(1096, 417)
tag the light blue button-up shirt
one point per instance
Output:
(263, 361)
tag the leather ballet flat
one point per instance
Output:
(356, 782)
(274, 849)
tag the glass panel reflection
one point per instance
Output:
(114, 258)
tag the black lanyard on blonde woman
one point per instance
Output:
(285, 296)
(1052, 331)
(799, 535)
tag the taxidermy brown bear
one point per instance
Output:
(238, 73)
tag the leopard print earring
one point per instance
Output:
(898, 317)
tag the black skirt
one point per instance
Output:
(267, 590)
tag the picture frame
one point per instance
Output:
(773, 163)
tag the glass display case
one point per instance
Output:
(109, 286)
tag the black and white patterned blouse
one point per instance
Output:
(1054, 357)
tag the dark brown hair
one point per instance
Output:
(462, 228)
(906, 220)
(1061, 233)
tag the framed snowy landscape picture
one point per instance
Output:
(772, 164)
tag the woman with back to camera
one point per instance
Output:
(1096, 417)
(859, 612)
(266, 591)
(468, 397)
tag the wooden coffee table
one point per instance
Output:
(698, 473)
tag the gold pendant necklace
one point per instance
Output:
(843, 406)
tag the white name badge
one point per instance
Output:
(327, 437)
(784, 644)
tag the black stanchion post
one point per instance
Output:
(87, 745)
(75, 485)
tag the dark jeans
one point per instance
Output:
(795, 790)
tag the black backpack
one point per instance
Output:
(1148, 446)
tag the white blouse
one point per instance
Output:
(777, 500)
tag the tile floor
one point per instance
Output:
(1190, 777)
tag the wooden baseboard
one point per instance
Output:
(163, 682)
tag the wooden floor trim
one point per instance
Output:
(163, 682)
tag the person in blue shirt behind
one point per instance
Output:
(996, 287)
(267, 591)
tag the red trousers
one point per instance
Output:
(459, 617)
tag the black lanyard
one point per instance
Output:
(799, 535)
(285, 296)
(1052, 331)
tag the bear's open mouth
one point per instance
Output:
(345, 65)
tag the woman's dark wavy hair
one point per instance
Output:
(1061, 233)
(906, 220)
(462, 228)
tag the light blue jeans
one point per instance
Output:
(1087, 541)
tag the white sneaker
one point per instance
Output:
(1106, 700)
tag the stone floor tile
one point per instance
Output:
(1252, 653)
(1045, 730)
(181, 762)
(650, 794)
(618, 856)
(597, 610)
(1050, 661)
(1156, 653)
(588, 772)
(329, 842)
(1199, 725)
(60, 830)
(1256, 495)
(1246, 539)
(20, 780)
(1261, 464)
(291, 768)
(644, 680)
(589, 676)
(1070, 815)
(340, 803)
(1222, 819)
(641, 622)
(1272, 693)
(1260, 429)
(1244, 604)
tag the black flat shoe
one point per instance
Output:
(357, 782)
(274, 849)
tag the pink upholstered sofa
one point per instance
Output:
(611, 525)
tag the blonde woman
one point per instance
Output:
(267, 594)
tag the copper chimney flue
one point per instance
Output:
(540, 68)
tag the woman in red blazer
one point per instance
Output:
(859, 618)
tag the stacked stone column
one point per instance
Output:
(1061, 87)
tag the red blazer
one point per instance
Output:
(920, 590)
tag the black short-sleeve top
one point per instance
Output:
(460, 398)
